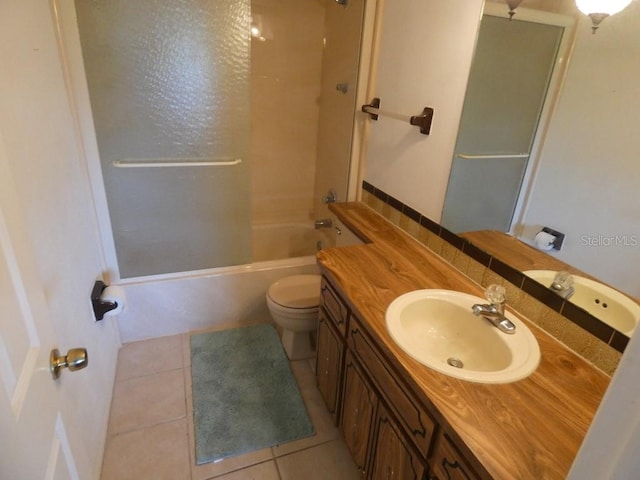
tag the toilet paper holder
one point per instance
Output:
(559, 237)
(100, 307)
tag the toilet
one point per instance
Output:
(293, 303)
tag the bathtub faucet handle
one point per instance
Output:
(330, 197)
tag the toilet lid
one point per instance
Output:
(297, 291)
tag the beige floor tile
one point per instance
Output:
(329, 460)
(325, 430)
(262, 471)
(159, 453)
(145, 401)
(238, 464)
(146, 357)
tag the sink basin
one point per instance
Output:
(438, 329)
(601, 301)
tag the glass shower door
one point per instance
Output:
(169, 88)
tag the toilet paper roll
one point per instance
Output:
(114, 294)
(544, 241)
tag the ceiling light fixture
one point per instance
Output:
(598, 10)
(513, 4)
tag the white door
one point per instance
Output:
(34, 442)
(50, 256)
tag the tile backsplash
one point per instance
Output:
(578, 330)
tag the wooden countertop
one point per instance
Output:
(530, 429)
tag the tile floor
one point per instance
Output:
(150, 432)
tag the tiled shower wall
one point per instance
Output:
(603, 355)
(286, 72)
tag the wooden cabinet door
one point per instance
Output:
(448, 463)
(392, 455)
(334, 306)
(359, 406)
(330, 351)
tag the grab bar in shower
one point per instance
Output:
(423, 121)
(174, 162)
(483, 157)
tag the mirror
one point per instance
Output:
(582, 175)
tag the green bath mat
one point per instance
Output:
(244, 395)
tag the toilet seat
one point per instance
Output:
(296, 292)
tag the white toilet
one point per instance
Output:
(293, 303)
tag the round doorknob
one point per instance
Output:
(75, 359)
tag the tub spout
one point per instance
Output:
(323, 223)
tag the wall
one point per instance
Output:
(286, 70)
(424, 58)
(610, 449)
(586, 185)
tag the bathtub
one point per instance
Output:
(171, 304)
(287, 240)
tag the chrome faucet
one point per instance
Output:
(494, 311)
(563, 285)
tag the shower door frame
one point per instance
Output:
(554, 89)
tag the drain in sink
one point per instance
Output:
(455, 362)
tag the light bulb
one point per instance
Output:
(598, 10)
(608, 7)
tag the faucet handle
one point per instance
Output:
(496, 294)
(563, 280)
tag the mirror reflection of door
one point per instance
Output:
(508, 84)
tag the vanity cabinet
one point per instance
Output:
(330, 347)
(388, 431)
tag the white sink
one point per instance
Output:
(438, 329)
(601, 301)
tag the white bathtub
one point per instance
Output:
(286, 240)
(170, 304)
